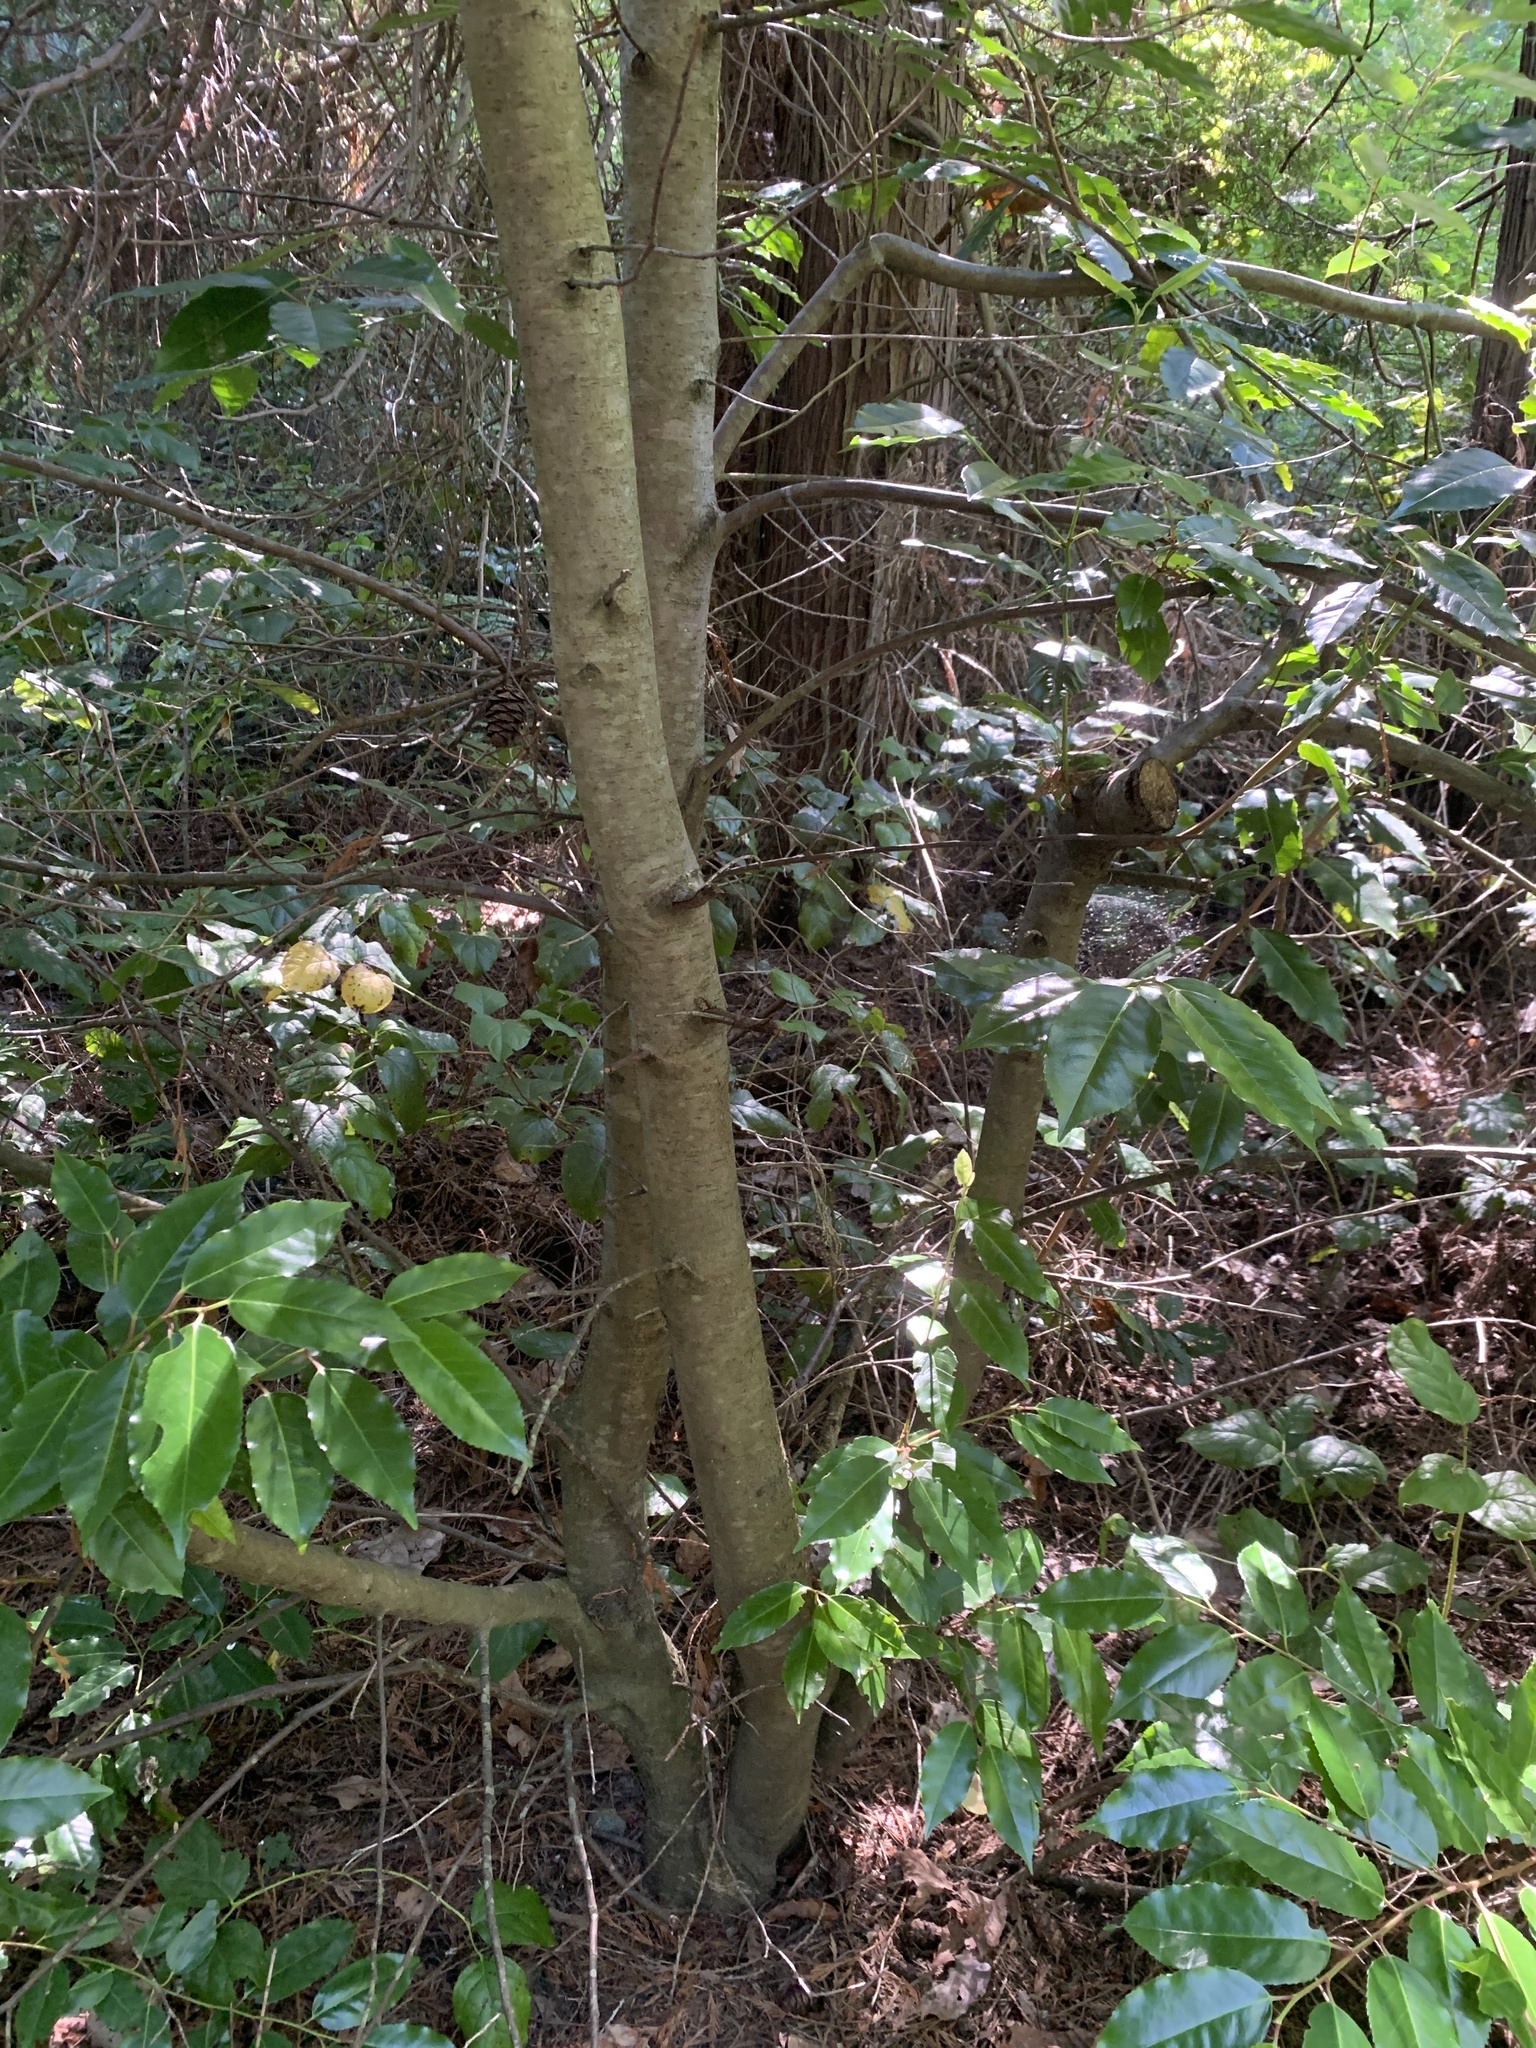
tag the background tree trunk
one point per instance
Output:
(1502, 367)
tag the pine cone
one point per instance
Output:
(502, 708)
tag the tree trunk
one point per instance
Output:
(562, 281)
(1502, 369)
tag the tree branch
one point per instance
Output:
(317, 1573)
(184, 514)
(819, 490)
(908, 259)
(996, 615)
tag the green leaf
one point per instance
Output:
(462, 1387)
(990, 1327)
(1438, 1947)
(1104, 1597)
(945, 1775)
(1013, 1806)
(1162, 1805)
(855, 1634)
(355, 1424)
(1429, 1373)
(185, 1435)
(805, 1671)
(406, 267)
(288, 1471)
(1400, 1826)
(32, 1449)
(371, 1984)
(93, 1456)
(1328, 1465)
(1023, 1683)
(847, 1489)
(894, 422)
(1313, 32)
(200, 1868)
(1083, 1684)
(133, 1547)
(1329, 2027)
(29, 1274)
(1099, 1051)
(1357, 257)
(1299, 980)
(1456, 1809)
(1442, 1672)
(1186, 1662)
(1008, 1259)
(215, 328)
(1348, 1769)
(42, 1792)
(1275, 1593)
(316, 328)
(1466, 480)
(1404, 2009)
(448, 1286)
(1217, 1122)
(1207, 2008)
(1256, 1061)
(522, 1919)
(150, 1270)
(763, 1614)
(1188, 1926)
(276, 1241)
(1301, 1856)
(584, 1175)
(477, 2003)
(1363, 1644)
(1145, 640)
(305, 1955)
(1510, 1510)
(15, 1670)
(313, 1314)
(489, 332)
(85, 1196)
(1245, 1441)
(1443, 1482)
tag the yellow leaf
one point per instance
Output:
(884, 897)
(366, 989)
(306, 967)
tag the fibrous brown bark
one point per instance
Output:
(1503, 371)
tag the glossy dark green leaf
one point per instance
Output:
(462, 1387)
(1404, 2009)
(32, 1448)
(1189, 1661)
(847, 1489)
(306, 1954)
(288, 1470)
(1012, 1801)
(183, 1439)
(317, 1315)
(369, 1986)
(1328, 2026)
(763, 1614)
(1442, 1672)
(1083, 1684)
(1023, 1683)
(989, 1326)
(1104, 1597)
(1510, 1509)
(1099, 1051)
(42, 1792)
(355, 1424)
(1443, 1482)
(1234, 1926)
(1217, 1122)
(1301, 1856)
(15, 1670)
(477, 2003)
(216, 328)
(945, 1775)
(93, 1456)
(522, 1918)
(1205, 2008)
(1345, 1763)
(1299, 981)
(1245, 1440)
(133, 1547)
(274, 1242)
(448, 1286)
(1008, 1259)
(1257, 1062)
(29, 1274)
(1162, 1805)
(1429, 1373)
(1464, 480)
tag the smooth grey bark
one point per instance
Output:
(561, 277)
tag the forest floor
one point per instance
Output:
(875, 1930)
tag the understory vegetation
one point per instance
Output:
(767, 799)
